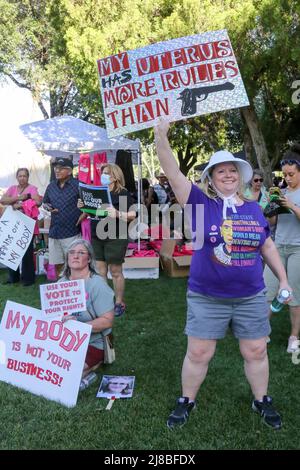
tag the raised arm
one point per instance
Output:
(179, 183)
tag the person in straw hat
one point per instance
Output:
(222, 294)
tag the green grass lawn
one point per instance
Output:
(150, 344)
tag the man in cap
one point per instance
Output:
(60, 199)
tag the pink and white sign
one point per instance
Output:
(63, 298)
(174, 79)
(45, 357)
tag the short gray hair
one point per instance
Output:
(92, 262)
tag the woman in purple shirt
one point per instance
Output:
(225, 287)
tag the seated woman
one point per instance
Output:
(80, 264)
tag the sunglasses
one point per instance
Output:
(256, 180)
(290, 162)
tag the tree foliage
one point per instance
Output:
(51, 46)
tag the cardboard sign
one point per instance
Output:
(16, 232)
(95, 198)
(117, 386)
(174, 80)
(63, 298)
(41, 356)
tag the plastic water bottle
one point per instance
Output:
(87, 381)
(277, 303)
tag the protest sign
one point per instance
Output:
(95, 198)
(43, 357)
(16, 232)
(174, 79)
(63, 298)
(118, 386)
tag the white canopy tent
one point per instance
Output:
(69, 135)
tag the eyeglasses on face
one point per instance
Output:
(79, 253)
(290, 162)
(60, 168)
(256, 180)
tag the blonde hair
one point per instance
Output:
(117, 174)
(210, 192)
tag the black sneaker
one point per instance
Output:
(267, 412)
(180, 415)
(119, 309)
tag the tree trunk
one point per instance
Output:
(259, 144)
(186, 160)
(248, 146)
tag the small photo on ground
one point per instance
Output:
(118, 386)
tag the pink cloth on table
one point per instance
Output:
(182, 251)
(143, 254)
(155, 245)
(134, 246)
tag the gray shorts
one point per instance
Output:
(58, 248)
(290, 257)
(210, 317)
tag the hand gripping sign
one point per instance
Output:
(45, 357)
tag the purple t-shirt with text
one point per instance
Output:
(229, 263)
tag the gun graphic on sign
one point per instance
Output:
(191, 96)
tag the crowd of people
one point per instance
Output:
(236, 270)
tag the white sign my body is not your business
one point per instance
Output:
(44, 357)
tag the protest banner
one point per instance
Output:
(63, 298)
(95, 198)
(44, 357)
(174, 79)
(16, 232)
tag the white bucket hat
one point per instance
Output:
(223, 156)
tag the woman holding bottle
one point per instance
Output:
(287, 240)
